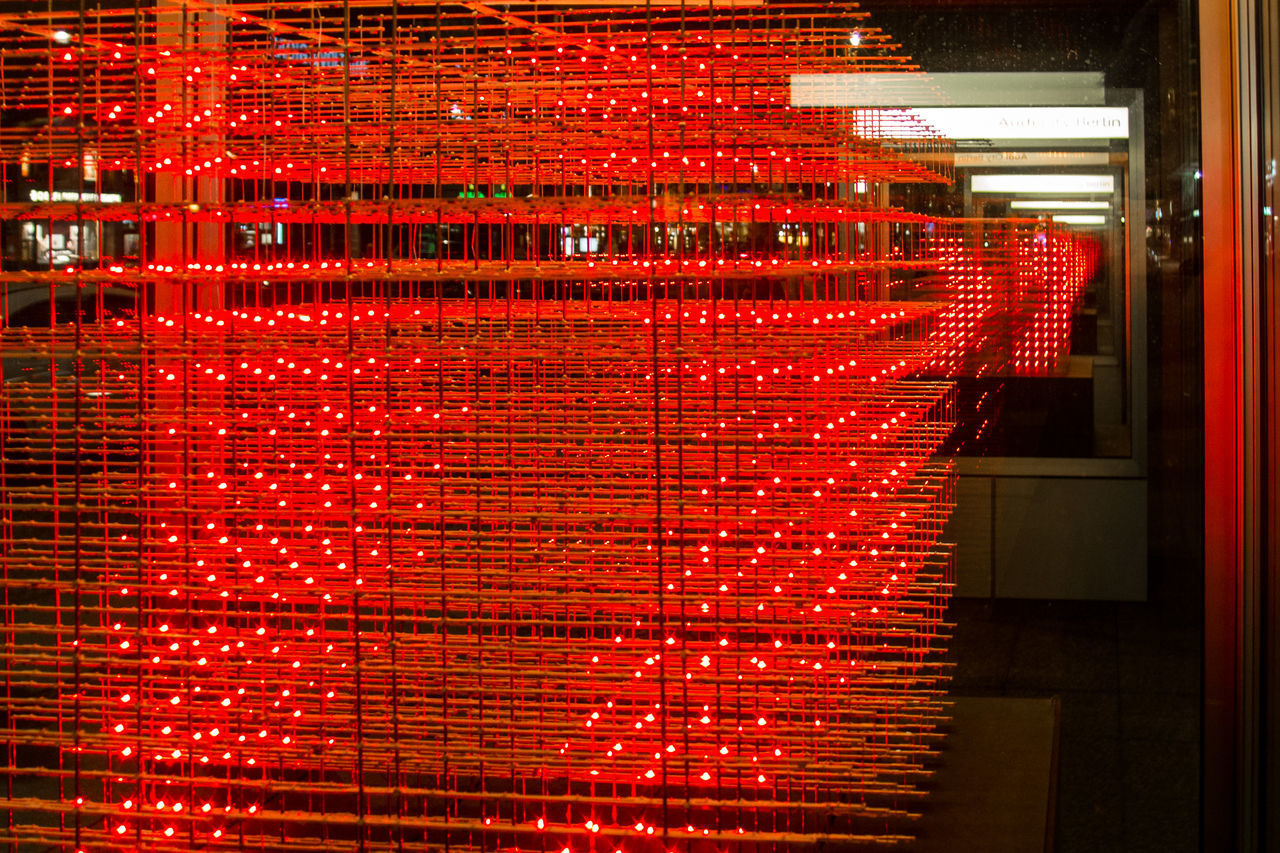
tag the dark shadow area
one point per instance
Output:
(1128, 679)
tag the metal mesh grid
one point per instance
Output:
(498, 433)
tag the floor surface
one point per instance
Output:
(1128, 678)
(994, 785)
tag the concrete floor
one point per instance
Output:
(1128, 678)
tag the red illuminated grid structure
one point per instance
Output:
(511, 446)
(1011, 288)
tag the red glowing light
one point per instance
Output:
(541, 466)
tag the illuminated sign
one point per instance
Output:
(1060, 204)
(67, 195)
(308, 53)
(1022, 182)
(1028, 122)
(947, 89)
(1031, 158)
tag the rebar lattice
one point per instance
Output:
(479, 427)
